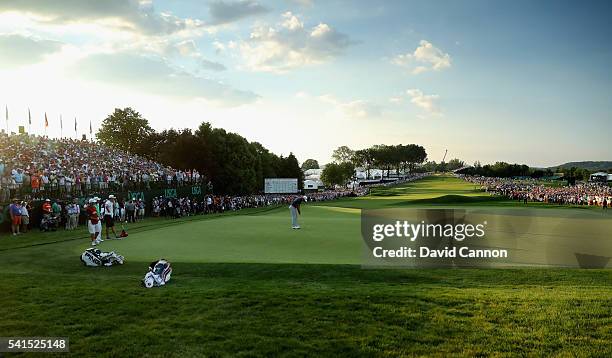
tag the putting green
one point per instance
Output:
(329, 235)
(330, 231)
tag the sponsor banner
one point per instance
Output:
(136, 195)
(170, 193)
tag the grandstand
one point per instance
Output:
(37, 167)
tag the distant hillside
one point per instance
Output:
(588, 165)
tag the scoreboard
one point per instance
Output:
(280, 185)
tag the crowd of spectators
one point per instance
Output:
(531, 190)
(211, 204)
(40, 166)
(407, 179)
(50, 215)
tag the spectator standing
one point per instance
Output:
(109, 216)
(73, 215)
(25, 217)
(130, 209)
(15, 212)
(5, 191)
(141, 209)
(56, 209)
(35, 183)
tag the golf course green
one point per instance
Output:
(245, 284)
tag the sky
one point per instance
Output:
(516, 81)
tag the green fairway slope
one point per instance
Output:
(432, 187)
(246, 284)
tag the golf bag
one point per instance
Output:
(123, 232)
(49, 223)
(158, 275)
(95, 258)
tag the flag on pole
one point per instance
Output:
(46, 121)
(61, 122)
(29, 117)
(90, 129)
(75, 125)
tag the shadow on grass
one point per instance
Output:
(453, 199)
(350, 275)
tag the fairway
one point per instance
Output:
(246, 284)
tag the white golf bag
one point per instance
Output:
(158, 275)
(95, 258)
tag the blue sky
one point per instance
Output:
(516, 81)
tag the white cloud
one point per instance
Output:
(189, 50)
(362, 109)
(292, 22)
(428, 103)
(219, 46)
(291, 45)
(17, 50)
(129, 15)
(223, 12)
(426, 57)
(183, 48)
(353, 109)
(155, 76)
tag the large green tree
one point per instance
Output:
(332, 175)
(337, 174)
(343, 154)
(310, 164)
(126, 129)
(290, 168)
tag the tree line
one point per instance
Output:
(506, 170)
(229, 161)
(400, 158)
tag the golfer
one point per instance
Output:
(294, 208)
(93, 222)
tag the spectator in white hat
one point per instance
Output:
(109, 216)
